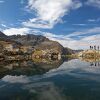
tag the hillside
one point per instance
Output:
(53, 45)
(37, 42)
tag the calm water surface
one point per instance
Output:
(69, 80)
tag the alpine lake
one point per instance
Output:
(66, 79)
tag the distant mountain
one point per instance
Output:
(37, 41)
(68, 51)
(77, 51)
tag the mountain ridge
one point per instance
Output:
(36, 41)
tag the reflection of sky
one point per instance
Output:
(54, 82)
(76, 68)
(25, 87)
(73, 67)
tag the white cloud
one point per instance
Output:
(49, 12)
(82, 43)
(94, 3)
(15, 79)
(37, 23)
(15, 31)
(91, 31)
(3, 25)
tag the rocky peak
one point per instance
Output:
(29, 39)
(2, 35)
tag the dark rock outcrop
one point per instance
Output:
(29, 39)
(2, 36)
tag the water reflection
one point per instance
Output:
(28, 68)
(68, 80)
(31, 91)
(95, 64)
(93, 61)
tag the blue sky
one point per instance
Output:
(73, 23)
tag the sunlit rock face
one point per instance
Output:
(50, 45)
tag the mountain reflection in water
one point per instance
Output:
(28, 68)
(70, 80)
